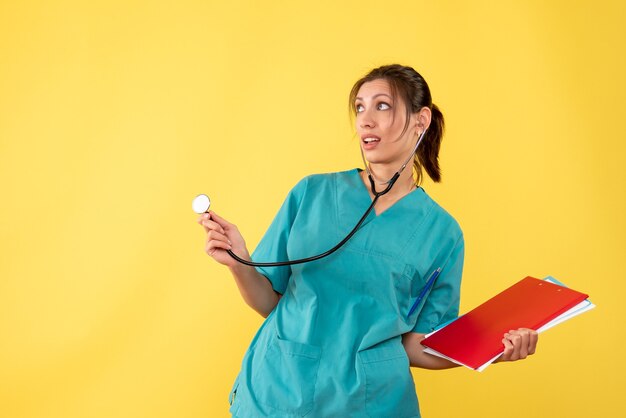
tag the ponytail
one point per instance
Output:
(427, 155)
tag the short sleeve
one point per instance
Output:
(273, 245)
(442, 304)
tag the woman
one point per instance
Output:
(339, 336)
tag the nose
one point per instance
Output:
(365, 120)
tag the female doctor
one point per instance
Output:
(340, 334)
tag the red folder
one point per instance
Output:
(476, 337)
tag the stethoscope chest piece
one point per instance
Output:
(201, 204)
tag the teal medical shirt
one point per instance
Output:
(332, 346)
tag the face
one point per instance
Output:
(380, 122)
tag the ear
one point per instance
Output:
(422, 120)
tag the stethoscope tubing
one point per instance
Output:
(336, 247)
(389, 183)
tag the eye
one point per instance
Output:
(358, 108)
(383, 106)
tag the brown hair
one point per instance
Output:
(408, 84)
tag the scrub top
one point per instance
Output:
(332, 346)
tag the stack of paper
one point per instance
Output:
(474, 340)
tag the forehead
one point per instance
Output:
(373, 88)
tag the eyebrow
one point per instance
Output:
(374, 96)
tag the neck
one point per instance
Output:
(381, 173)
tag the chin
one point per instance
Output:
(373, 158)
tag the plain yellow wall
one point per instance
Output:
(115, 114)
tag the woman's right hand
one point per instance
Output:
(222, 236)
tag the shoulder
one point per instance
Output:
(323, 180)
(330, 177)
(443, 218)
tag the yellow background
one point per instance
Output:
(115, 114)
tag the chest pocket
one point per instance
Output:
(408, 285)
(382, 283)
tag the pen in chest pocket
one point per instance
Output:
(427, 286)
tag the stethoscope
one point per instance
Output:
(201, 204)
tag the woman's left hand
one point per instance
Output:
(519, 344)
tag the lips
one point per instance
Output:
(370, 139)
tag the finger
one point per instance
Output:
(516, 341)
(210, 225)
(202, 218)
(519, 338)
(532, 343)
(508, 349)
(217, 236)
(223, 222)
(525, 338)
(214, 245)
